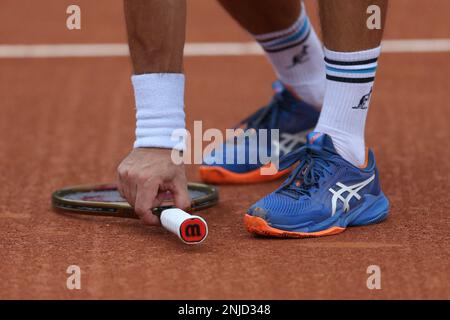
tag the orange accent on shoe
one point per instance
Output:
(292, 91)
(315, 137)
(366, 161)
(259, 226)
(219, 175)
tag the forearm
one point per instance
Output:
(156, 34)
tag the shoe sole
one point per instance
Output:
(376, 212)
(257, 225)
(219, 175)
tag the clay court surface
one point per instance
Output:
(66, 121)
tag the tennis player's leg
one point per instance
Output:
(351, 58)
(284, 31)
(336, 183)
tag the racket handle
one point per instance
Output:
(189, 228)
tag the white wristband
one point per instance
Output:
(159, 109)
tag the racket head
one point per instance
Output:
(105, 200)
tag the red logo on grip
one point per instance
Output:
(193, 230)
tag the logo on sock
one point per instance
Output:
(301, 57)
(364, 102)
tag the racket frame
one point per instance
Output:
(123, 209)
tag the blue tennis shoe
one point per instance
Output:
(292, 117)
(323, 195)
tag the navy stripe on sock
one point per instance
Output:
(350, 80)
(291, 45)
(350, 63)
(281, 36)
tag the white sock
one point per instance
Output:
(350, 77)
(297, 57)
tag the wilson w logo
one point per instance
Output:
(352, 192)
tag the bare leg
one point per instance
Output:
(263, 16)
(351, 55)
(283, 30)
(344, 24)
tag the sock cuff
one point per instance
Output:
(352, 58)
(352, 67)
(286, 38)
(159, 109)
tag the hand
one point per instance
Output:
(145, 175)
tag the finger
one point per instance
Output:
(129, 187)
(120, 183)
(149, 217)
(145, 199)
(132, 191)
(126, 192)
(123, 185)
(181, 194)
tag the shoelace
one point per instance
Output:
(258, 120)
(307, 174)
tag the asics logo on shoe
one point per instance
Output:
(288, 141)
(364, 102)
(352, 192)
(301, 57)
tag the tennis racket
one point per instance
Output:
(105, 200)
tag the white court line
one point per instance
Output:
(191, 49)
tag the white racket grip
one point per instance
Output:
(189, 228)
